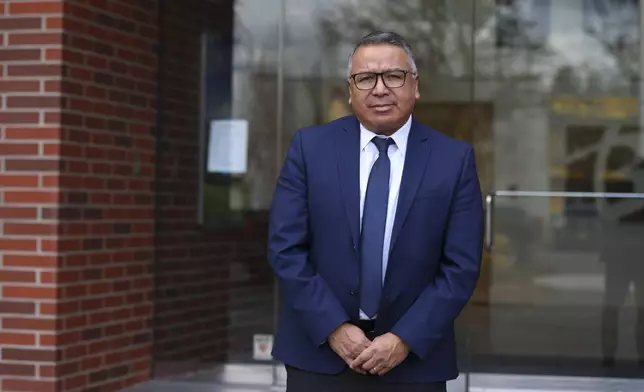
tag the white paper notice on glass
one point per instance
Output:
(228, 146)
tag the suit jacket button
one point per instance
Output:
(353, 293)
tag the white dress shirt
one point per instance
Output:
(368, 155)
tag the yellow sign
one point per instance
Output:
(564, 172)
(607, 107)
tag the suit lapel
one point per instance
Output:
(348, 152)
(418, 151)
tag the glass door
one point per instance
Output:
(564, 297)
(562, 286)
(219, 150)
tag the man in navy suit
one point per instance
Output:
(375, 238)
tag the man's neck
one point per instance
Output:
(388, 131)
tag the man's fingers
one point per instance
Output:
(371, 363)
(349, 362)
(359, 370)
(374, 359)
(362, 358)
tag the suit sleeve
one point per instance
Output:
(434, 311)
(303, 290)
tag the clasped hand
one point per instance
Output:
(365, 356)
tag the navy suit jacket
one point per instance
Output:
(435, 251)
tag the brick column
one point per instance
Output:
(29, 166)
(77, 156)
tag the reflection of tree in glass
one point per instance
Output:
(440, 33)
(615, 25)
(424, 26)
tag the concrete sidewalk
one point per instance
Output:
(259, 378)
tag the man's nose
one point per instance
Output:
(380, 88)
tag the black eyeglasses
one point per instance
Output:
(393, 78)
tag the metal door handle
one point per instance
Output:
(489, 204)
(489, 221)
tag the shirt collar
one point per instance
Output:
(400, 136)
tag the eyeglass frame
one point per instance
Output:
(380, 75)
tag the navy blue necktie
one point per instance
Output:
(374, 218)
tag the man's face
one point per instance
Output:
(382, 109)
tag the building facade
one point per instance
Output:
(140, 141)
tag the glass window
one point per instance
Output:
(548, 92)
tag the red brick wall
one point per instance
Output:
(107, 178)
(85, 230)
(29, 161)
(76, 182)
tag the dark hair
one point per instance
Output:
(385, 38)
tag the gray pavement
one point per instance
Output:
(257, 378)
